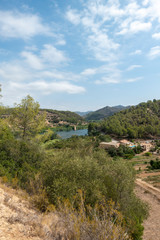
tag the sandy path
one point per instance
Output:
(151, 195)
(147, 174)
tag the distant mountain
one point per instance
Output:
(83, 113)
(104, 112)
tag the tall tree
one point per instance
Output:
(26, 117)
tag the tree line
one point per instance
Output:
(141, 121)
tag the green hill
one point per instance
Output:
(83, 113)
(141, 121)
(55, 116)
(103, 113)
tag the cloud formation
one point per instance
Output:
(154, 52)
(47, 88)
(14, 24)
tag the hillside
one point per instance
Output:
(141, 121)
(103, 113)
(83, 113)
(53, 116)
(62, 117)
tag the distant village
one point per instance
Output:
(145, 145)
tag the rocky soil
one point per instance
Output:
(19, 221)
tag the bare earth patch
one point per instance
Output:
(151, 195)
(19, 221)
(13, 219)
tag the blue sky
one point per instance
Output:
(80, 55)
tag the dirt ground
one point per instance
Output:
(151, 195)
(19, 221)
(14, 219)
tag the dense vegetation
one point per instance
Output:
(141, 121)
(96, 188)
(124, 151)
(55, 116)
(103, 113)
(154, 164)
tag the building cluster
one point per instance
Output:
(146, 145)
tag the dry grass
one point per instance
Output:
(20, 221)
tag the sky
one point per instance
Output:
(80, 55)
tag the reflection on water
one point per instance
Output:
(68, 134)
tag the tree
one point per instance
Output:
(26, 117)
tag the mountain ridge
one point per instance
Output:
(140, 121)
(104, 112)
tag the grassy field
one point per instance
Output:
(141, 164)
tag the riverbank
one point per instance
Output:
(67, 128)
(68, 134)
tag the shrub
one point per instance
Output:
(147, 154)
(101, 222)
(99, 177)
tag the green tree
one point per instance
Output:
(26, 117)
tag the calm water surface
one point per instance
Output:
(68, 134)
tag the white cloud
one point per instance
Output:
(47, 88)
(47, 57)
(36, 72)
(14, 24)
(145, 2)
(153, 8)
(102, 47)
(134, 79)
(132, 67)
(154, 52)
(89, 71)
(135, 27)
(73, 16)
(92, 18)
(106, 80)
(156, 36)
(61, 42)
(53, 55)
(14, 70)
(32, 60)
(136, 52)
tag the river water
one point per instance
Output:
(68, 134)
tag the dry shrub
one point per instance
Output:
(38, 194)
(103, 222)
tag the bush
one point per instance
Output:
(147, 154)
(122, 151)
(98, 177)
(155, 164)
(104, 221)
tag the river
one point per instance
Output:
(68, 134)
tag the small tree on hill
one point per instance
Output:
(26, 117)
